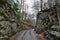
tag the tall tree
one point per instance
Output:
(41, 4)
(36, 5)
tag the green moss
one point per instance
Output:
(0, 38)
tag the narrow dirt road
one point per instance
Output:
(26, 35)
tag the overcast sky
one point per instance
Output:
(30, 4)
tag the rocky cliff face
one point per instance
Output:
(8, 20)
(46, 19)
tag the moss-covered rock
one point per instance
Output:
(9, 21)
(46, 19)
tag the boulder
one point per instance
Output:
(5, 27)
(1, 18)
(14, 27)
(5, 23)
(55, 33)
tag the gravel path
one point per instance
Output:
(26, 35)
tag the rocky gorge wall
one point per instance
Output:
(46, 19)
(8, 21)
